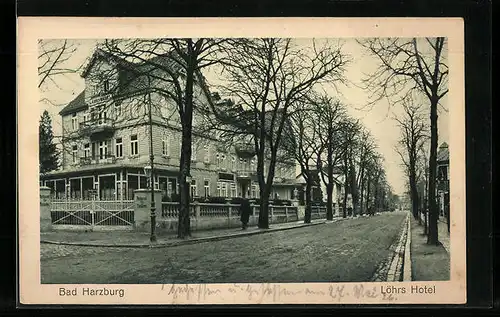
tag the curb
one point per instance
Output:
(407, 269)
(187, 242)
(396, 266)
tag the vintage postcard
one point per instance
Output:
(241, 161)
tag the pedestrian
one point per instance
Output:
(244, 213)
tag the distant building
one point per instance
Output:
(443, 183)
(319, 192)
(105, 142)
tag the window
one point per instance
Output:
(233, 163)
(86, 117)
(217, 160)
(233, 190)
(165, 146)
(103, 149)
(222, 189)
(252, 165)
(74, 122)
(206, 187)
(102, 114)
(86, 150)
(194, 191)
(223, 161)
(442, 173)
(75, 153)
(254, 191)
(170, 188)
(206, 159)
(134, 145)
(119, 147)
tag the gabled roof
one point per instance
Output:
(108, 56)
(132, 76)
(443, 154)
(76, 104)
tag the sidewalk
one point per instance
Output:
(443, 235)
(429, 262)
(133, 239)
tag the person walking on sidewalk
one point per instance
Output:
(244, 213)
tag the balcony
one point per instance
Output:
(245, 174)
(101, 127)
(96, 159)
(245, 150)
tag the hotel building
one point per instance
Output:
(106, 142)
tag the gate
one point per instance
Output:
(92, 213)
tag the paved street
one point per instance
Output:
(348, 250)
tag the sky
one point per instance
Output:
(378, 119)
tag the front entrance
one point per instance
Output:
(107, 187)
(244, 187)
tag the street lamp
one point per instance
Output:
(148, 170)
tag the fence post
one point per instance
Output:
(92, 212)
(271, 207)
(229, 210)
(197, 210)
(286, 213)
(45, 213)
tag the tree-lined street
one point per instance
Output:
(348, 250)
(269, 120)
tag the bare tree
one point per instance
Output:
(304, 146)
(413, 136)
(267, 78)
(408, 66)
(52, 58)
(329, 115)
(173, 69)
(350, 129)
(366, 157)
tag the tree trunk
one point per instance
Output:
(432, 237)
(362, 191)
(420, 207)
(184, 225)
(368, 189)
(308, 196)
(264, 207)
(414, 196)
(344, 203)
(329, 201)
(354, 190)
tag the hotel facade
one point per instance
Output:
(106, 143)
